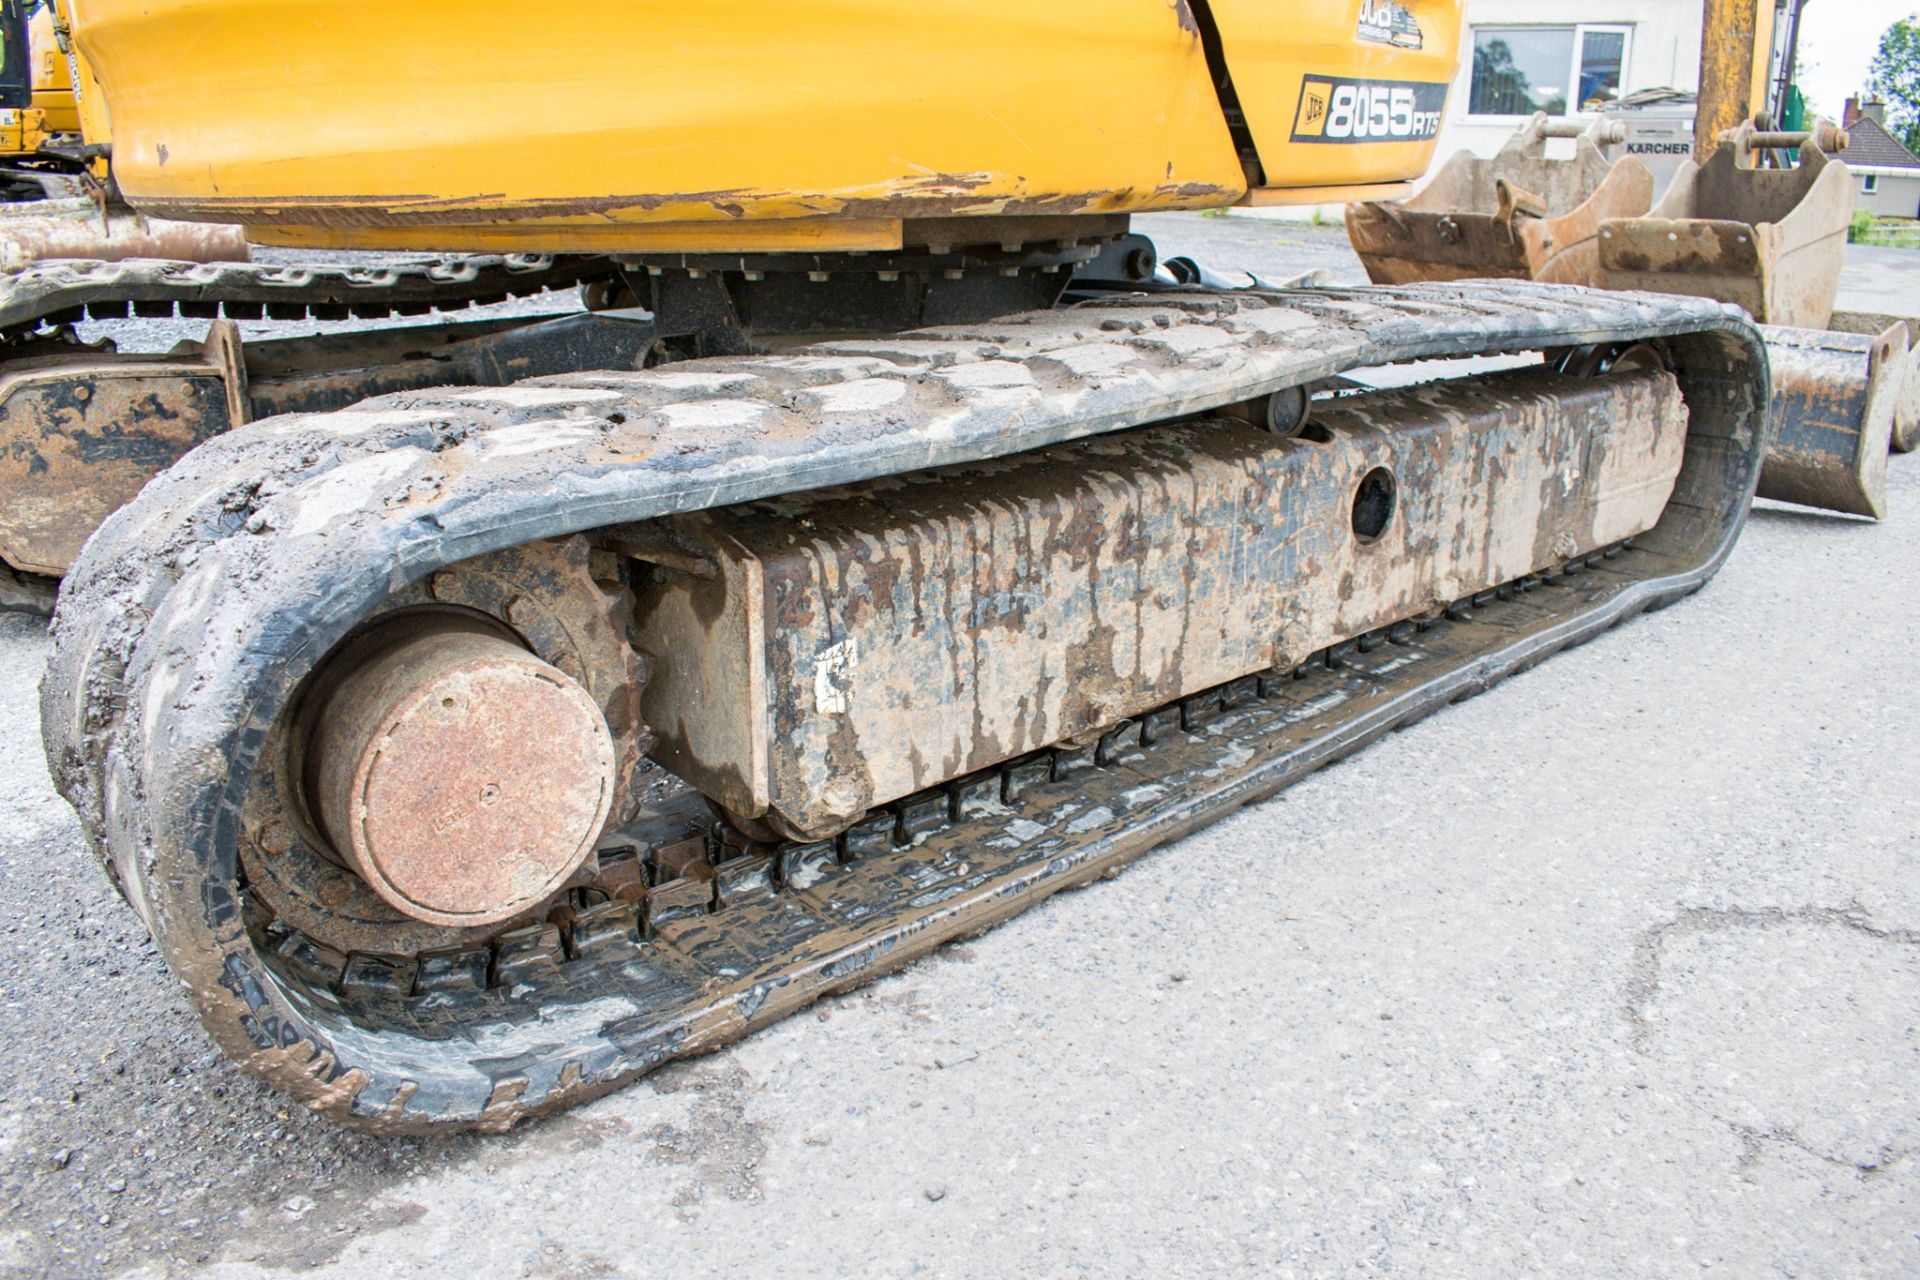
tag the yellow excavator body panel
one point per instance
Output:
(748, 124)
(1340, 94)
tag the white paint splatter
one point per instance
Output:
(326, 499)
(1025, 829)
(1187, 339)
(711, 414)
(1275, 320)
(988, 373)
(536, 437)
(833, 676)
(1087, 821)
(863, 396)
(358, 422)
(536, 397)
(1095, 358)
(696, 380)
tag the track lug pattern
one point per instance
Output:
(67, 291)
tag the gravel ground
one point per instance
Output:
(1612, 971)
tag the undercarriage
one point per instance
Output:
(470, 752)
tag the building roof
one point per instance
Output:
(1870, 146)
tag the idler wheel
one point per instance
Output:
(462, 777)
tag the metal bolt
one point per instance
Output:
(274, 839)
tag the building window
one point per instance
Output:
(1870, 182)
(1559, 70)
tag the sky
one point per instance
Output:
(1839, 37)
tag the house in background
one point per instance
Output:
(1886, 176)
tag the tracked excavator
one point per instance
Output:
(41, 156)
(470, 752)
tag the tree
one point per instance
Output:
(1895, 76)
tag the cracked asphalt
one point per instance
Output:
(1611, 971)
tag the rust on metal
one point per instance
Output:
(555, 598)
(1736, 43)
(80, 228)
(860, 645)
(82, 429)
(464, 778)
(1517, 216)
(80, 434)
(1833, 407)
(1769, 240)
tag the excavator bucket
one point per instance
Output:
(1518, 216)
(1835, 399)
(1906, 411)
(1771, 240)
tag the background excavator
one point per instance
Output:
(471, 751)
(41, 140)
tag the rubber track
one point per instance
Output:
(194, 613)
(71, 290)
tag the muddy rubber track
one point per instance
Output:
(74, 290)
(195, 612)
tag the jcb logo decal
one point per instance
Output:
(1313, 110)
(1368, 111)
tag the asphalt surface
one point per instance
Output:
(1612, 971)
(1877, 278)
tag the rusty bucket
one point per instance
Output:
(1835, 399)
(1771, 240)
(1906, 413)
(1517, 216)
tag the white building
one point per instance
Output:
(1565, 57)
